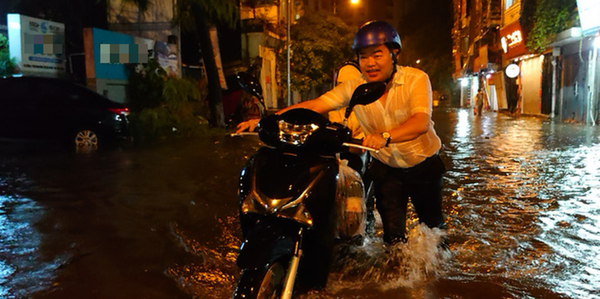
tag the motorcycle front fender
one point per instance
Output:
(267, 242)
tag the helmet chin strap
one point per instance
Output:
(387, 81)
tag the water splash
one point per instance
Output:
(212, 273)
(403, 265)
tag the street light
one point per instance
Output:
(335, 5)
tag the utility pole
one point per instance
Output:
(288, 43)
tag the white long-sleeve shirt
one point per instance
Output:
(410, 93)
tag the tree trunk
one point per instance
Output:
(215, 101)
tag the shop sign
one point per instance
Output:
(511, 40)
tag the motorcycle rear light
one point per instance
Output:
(119, 110)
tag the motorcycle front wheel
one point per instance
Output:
(266, 283)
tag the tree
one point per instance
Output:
(162, 105)
(8, 66)
(550, 18)
(197, 16)
(320, 42)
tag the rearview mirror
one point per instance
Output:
(251, 85)
(366, 94)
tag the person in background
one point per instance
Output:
(399, 125)
(480, 98)
(348, 70)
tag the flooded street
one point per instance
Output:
(521, 200)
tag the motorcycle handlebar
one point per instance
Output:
(357, 143)
(243, 134)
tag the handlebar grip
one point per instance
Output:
(360, 146)
(243, 134)
(356, 141)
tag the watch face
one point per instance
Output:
(385, 135)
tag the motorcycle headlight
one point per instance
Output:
(295, 134)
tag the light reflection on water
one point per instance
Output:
(525, 204)
(571, 229)
(19, 246)
(522, 209)
(521, 200)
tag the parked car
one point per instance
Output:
(38, 108)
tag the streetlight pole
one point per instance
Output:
(289, 77)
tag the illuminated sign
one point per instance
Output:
(511, 40)
(588, 16)
(512, 70)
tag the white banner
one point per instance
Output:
(37, 45)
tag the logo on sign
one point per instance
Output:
(511, 40)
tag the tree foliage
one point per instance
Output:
(162, 105)
(319, 43)
(8, 66)
(189, 11)
(550, 17)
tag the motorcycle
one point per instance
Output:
(289, 198)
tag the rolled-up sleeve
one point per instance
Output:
(420, 94)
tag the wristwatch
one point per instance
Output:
(387, 138)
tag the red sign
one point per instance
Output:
(512, 41)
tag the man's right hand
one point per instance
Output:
(248, 125)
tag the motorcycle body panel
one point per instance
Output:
(268, 235)
(267, 241)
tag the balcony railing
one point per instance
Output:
(253, 25)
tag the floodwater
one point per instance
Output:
(521, 199)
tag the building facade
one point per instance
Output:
(489, 51)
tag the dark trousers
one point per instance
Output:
(393, 188)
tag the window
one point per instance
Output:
(508, 3)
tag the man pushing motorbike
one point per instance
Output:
(399, 125)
